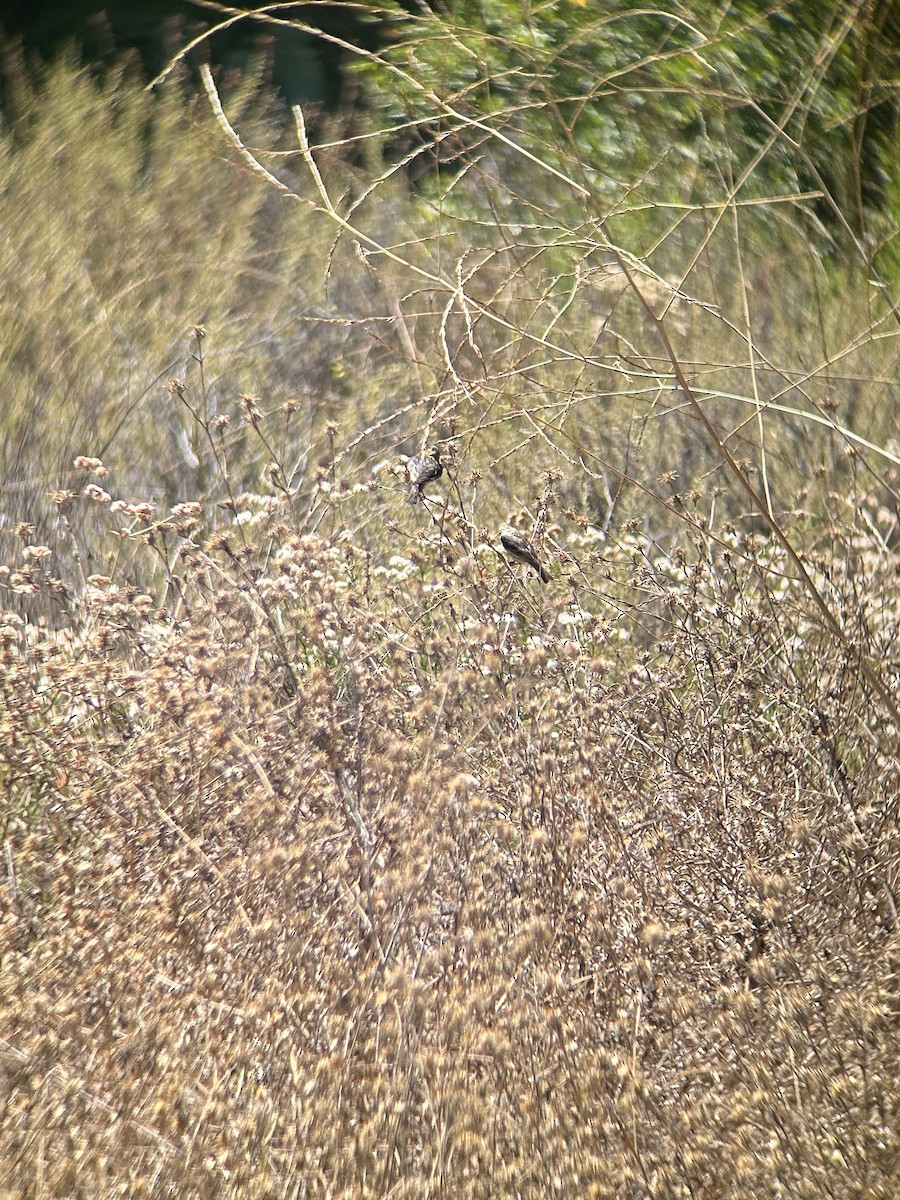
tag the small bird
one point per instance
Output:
(424, 469)
(518, 546)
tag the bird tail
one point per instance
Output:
(544, 574)
(414, 496)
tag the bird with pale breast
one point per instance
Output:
(424, 469)
(517, 545)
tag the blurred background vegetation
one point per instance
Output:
(745, 156)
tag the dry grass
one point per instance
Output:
(342, 859)
(353, 880)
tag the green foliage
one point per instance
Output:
(668, 104)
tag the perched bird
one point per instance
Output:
(424, 469)
(519, 547)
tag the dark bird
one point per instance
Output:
(424, 469)
(519, 547)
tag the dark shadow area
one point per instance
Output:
(303, 67)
